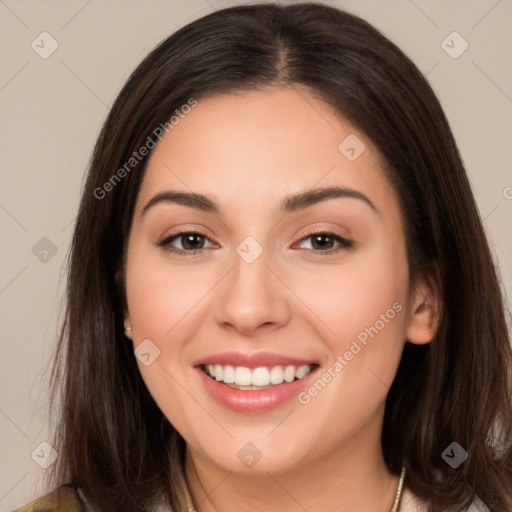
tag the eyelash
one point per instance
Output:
(165, 244)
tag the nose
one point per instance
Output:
(252, 298)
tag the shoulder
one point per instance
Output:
(411, 503)
(63, 499)
(69, 498)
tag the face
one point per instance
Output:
(298, 300)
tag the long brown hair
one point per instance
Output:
(112, 438)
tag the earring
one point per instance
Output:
(126, 331)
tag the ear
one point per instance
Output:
(424, 311)
(126, 314)
(127, 326)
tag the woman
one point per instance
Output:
(280, 293)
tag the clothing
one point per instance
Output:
(70, 499)
(66, 498)
(409, 502)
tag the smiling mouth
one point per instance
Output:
(263, 377)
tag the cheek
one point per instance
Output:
(362, 306)
(160, 296)
(162, 303)
(351, 297)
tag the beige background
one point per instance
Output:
(52, 110)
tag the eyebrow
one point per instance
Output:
(290, 203)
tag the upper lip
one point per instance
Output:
(252, 360)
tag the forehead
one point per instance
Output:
(251, 149)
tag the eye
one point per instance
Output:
(192, 242)
(325, 240)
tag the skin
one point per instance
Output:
(247, 152)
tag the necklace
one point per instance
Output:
(397, 497)
(399, 490)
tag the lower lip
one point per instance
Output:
(254, 400)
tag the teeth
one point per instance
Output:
(261, 376)
(228, 374)
(242, 376)
(276, 375)
(302, 371)
(289, 373)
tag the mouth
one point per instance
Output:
(254, 383)
(260, 378)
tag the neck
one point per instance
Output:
(359, 483)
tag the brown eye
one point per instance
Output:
(190, 241)
(322, 242)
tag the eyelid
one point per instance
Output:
(166, 242)
(343, 243)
